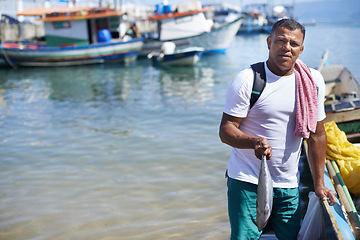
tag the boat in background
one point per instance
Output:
(223, 13)
(185, 57)
(254, 19)
(188, 27)
(73, 36)
(342, 92)
(280, 11)
(260, 17)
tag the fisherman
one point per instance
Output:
(275, 127)
(133, 31)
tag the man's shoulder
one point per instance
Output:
(316, 74)
(246, 73)
(243, 79)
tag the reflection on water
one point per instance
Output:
(101, 83)
(111, 152)
(191, 84)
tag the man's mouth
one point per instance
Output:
(284, 56)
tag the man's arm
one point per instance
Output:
(317, 151)
(230, 134)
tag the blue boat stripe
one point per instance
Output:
(255, 92)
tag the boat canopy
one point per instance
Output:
(55, 14)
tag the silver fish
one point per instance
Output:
(264, 199)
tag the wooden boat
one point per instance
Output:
(186, 57)
(342, 103)
(73, 36)
(342, 106)
(188, 27)
(341, 221)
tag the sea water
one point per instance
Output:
(129, 151)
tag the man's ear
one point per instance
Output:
(301, 49)
(268, 40)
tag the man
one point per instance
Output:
(268, 129)
(133, 31)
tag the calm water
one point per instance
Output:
(128, 152)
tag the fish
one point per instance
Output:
(264, 200)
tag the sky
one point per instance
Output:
(145, 2)
(9, 6)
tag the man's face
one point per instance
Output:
(285, 46)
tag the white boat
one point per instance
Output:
(186, 57)
(223, 13)
(73, 36)
(188, 27)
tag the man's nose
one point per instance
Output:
(286, 45)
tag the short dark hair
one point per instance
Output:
(289, 24)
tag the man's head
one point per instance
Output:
(285, 45)
(290, 24)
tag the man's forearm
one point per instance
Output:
(317, 152)
(235, 137)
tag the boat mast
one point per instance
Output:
(118, 4)
(19, 8)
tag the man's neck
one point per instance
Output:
(278, 71)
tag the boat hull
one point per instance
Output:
(218, 40)
(347, 121)
(182, 58)
(41, 56)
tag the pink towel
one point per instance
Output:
(306, 101)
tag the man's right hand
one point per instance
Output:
(262, 147)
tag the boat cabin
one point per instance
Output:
(78, 26)
(187, 20)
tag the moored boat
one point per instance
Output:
(342, 157)
(335, 218)
(188, 27)
(73, 36)
(254, 19)
(186, 57)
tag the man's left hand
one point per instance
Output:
(326, 194)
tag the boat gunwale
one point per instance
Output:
(185, 38)
(42, 48)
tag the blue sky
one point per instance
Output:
(310, 8)
(153, 2)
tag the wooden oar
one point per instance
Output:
(352, 215)
(348, 196)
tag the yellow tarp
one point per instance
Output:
(345, 154)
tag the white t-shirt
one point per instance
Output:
(272, 117)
